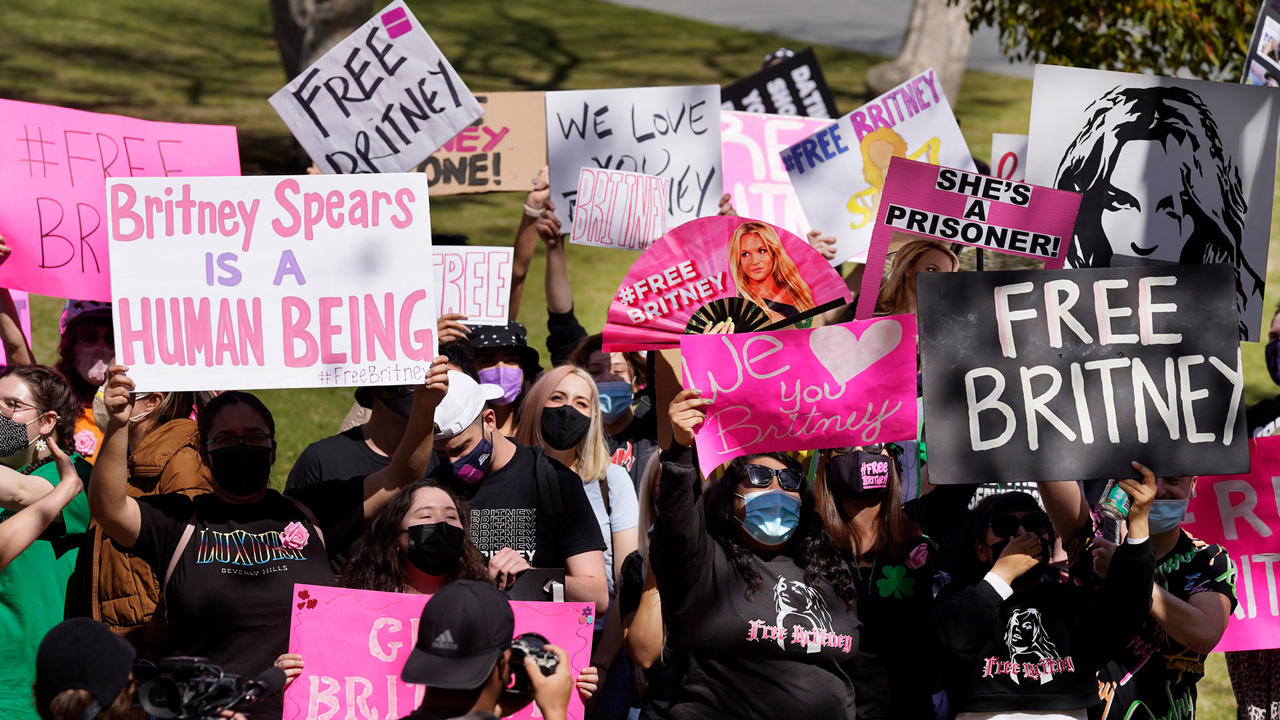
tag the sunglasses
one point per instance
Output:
(876, 449)
(761, 476)
(1006, 525)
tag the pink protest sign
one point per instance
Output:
(925, 203)
(54, 164)
(1242, 514)
(355, 643)
(22, 304)
(833, 386)
(751, 145)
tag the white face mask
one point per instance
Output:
(144, 413)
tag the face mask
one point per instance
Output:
(471, 468)
(1165, 515)
(435, 548)
(1273, 360)
(615, 399)
(1032, 576)
(563, 427)
(92, 360)
(13, 436)
(859, 474)
(144, 413)
(242, 470)
(770, 516)
(510, 379)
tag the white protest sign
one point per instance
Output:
(473, 281)
(619, 209)
(670, 132)
(382, 100)
(838, 172)
(271, 282)
(1009, 156)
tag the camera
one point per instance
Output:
(192, 688)
(530, 645)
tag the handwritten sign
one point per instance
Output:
(502, 151)
(1071, 374)
(355, 644)
(619, 209)
(1242, 514)
(834, 386)
(839, 173)
(278, 282)
(473, 281)
(54, 163)
(670, 132)
(1009, 156)
(753, 173)
(22, 304)
(794, 86)
(381, 100)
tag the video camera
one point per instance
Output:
(192, 688)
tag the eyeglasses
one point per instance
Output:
(93, 334)
(11, 405)
(257, 439)
(761, 476)
(876, 449)
(1005, 525)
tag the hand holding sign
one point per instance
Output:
(687, 414)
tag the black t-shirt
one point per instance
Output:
(337, 457)
(633, 446)
(1263, 418)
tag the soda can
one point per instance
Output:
(1115, 502)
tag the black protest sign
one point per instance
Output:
(1072, 374)
(792, 87)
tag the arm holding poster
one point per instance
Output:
(414, 451)
(527, 238)
(17, 351)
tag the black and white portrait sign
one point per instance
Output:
(1072, 374)
(1172, 171)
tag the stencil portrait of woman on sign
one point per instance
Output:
(765, 274)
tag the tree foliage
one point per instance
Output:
(1207, 38)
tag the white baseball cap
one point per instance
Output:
(462, 404)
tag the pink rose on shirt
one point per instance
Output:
(918, 556)
(85, 442)
(295, 536)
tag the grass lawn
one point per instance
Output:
(216, 62)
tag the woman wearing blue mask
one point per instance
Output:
(753, 590)
(630, 425)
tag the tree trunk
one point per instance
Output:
(306, 29)
(937, 37)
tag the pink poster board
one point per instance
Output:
(355, 643)
(23, 305)
(921, 200)
(833, 386)
(751, 145)
(1239, 512)
(54, 164)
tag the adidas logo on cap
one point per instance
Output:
(444, 641)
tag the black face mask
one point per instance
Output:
(1273, 360)
(860, 475)
(435, 548)
(1032, 576)
(241, 470)
(563, 427)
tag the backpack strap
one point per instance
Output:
(604, 494)
(310, 516)
(548, 481)
(183, 541)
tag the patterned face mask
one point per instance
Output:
(13, 436)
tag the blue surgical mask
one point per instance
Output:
(770, 516)
(1165, 515)
(615, 399)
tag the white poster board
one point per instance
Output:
(619, 209)
(473, 281)
(1009, 156)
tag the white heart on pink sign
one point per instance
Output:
(845, 356)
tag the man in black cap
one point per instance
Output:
(463, 656)
(82, 654)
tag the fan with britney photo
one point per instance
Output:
(720, 274)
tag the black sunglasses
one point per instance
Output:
(876, 449)
(761, 476)
(1006, 525)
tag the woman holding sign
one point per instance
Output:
(765, 274)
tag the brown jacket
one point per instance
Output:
(123, 589)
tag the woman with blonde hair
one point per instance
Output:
(765, 274)
(919, 255)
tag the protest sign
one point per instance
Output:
(355, 644)
(670, 132)
(473, 281)
(753, 174)
(1242, 514)
(619, 209)
(279, 282)
(1072, 374)
(1172, 171)
(924, 203)
(502, 151)
(715, 270)
(1009, 156)
(834, 386)
(53, 170)
(381, 100)
(794, 86)
(839, 173)
(1262, 64)
(22, 304)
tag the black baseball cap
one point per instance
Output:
(399, 398)
(512, 335)
(464, 629)
(82, 654)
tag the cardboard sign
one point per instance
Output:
(473, 281)
(834, 386)
(1242, 514)
(502, 151)
(54, 164)
(941, 203)
(670, 132)
(381, 100)
(839, 173)
(1262, 64)
(794, 86)
(753, 172)
(619, 209)
(1009, 156)
(1172, 171)
(22, 304)
(279, 282)
(1072, 374)
(355, 644)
